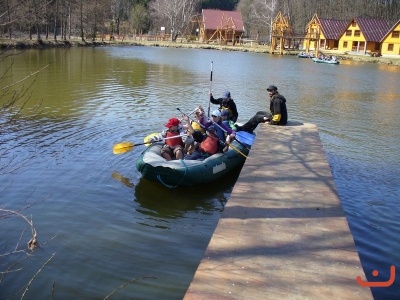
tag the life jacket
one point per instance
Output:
(209, 145)
(175, 141)
(222, 108)
(227, 106)
(196, 126)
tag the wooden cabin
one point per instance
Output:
(391, 41)
(282, 33)
(363, 35)
(221, 26)
(323, 34)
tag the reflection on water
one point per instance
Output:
(112, 226)
(157, 200)
(125, 181)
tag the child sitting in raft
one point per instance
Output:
(173, 147)
(196, 135)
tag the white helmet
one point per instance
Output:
(216, 113)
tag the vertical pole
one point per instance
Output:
(209, 102)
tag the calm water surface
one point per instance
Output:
(107, 227)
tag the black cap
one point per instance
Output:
(272, 88)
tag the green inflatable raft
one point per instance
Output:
(176, 173)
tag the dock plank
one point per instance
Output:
(283, 233)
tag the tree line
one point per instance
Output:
(258, 15)
(87, 19)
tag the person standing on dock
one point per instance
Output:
(278, 112)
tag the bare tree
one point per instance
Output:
(120, 12)
(94, 16)
(81, 21)
(246, 9)
(89, 17)
(175, 14)
(261, 14)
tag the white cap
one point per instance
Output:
(216, 113)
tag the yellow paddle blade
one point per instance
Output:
(150, 136)
(122, 147)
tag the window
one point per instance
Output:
(353, 24)
(395, 34)
(348, 32)
(344, 44)
(357, 33)
(390, 47)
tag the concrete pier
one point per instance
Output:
(283, 233)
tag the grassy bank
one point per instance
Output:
(34, 44)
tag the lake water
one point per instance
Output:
(112, 232)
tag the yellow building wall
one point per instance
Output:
(358, 41)
(391, 40)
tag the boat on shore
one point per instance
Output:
(326, 61)
(182, 172)
(305, 55)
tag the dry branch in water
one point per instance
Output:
(125, 284)
(33, 242)
(34, 276)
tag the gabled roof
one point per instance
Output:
(213, 19)
(373, 29)
(391, 29)
(333, 29)
(281, 25)
(279, 18)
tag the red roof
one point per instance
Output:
(333, 29)
(374, 30)
(214, 19)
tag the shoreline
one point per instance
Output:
(43, 44)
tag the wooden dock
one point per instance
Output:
(283, 233)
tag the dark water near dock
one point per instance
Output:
(108, 227)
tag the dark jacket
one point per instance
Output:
(278, 107)
(230, 104)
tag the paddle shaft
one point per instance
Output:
(190, 113)
(209, 102)
(159, 140)
(230, 144)
(214, 134)
(201, 125)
